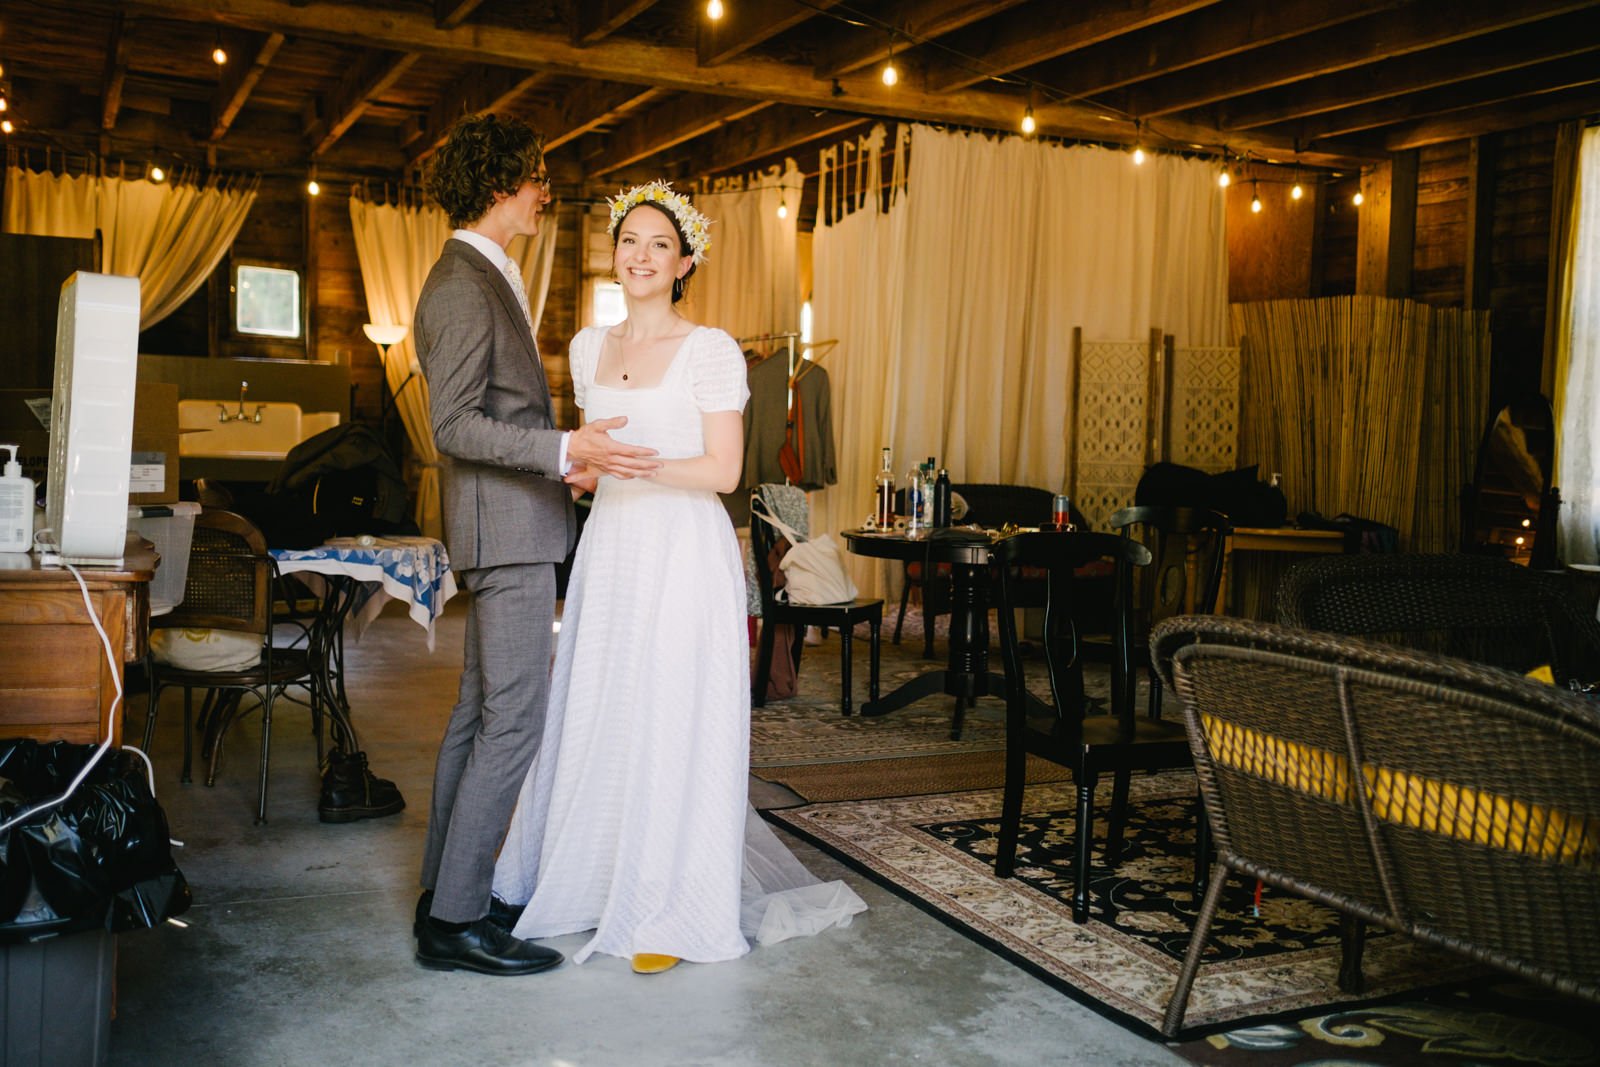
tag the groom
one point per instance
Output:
(508, 522)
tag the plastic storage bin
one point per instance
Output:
(55, 1000)
(170, 527)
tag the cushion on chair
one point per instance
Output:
(205, 650)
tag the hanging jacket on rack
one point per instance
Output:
(813, 418)
(766, 417)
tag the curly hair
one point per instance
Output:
(483, 155)
(679, 285)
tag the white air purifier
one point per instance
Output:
(91, 419)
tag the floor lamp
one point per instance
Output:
(385, 336)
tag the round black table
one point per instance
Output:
(966, 672)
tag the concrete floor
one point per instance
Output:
(298, 949)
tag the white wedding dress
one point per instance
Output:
(634, 820)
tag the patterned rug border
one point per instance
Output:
(903, 776)
(793, 819)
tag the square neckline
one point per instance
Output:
(672, 364)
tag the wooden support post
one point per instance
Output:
(1480, 222)
(1386, 236)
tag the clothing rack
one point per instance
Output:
(791, 336)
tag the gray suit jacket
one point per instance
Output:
(504, 501)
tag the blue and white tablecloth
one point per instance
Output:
(413, 569)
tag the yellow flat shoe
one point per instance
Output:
(652, 963)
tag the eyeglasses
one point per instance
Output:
(543, 183)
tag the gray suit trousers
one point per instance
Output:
(493, 734)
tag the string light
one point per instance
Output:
(783, 208)
(6, 126)
(1296, 193)
(1224, 179)
(1028, 125)
(714, 10)
(218, 55)
(1255, 199)
(313, 187)
(1138, 143)
(1357, 199)
(4, 105)
(1138, 155)
(890, 74)
(156, 173)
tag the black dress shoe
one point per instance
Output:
(350, 791)
(501, 914)
(482, 947)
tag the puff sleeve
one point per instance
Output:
(716, 373)
(582, 354)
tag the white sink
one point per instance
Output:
(268, 431)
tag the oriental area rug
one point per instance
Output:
(898, 799)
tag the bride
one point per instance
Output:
(633, 821)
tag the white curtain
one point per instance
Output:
(1578, 391)
(396, 245)
(749, 283)
(956, 310)
(171, 235)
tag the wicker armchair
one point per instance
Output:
(1472, 824)
(1479, 608)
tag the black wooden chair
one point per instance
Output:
(988, 504)
(1452, 802)
(774, 612)
(1120, 742)
(229, 588)
(1188, 546)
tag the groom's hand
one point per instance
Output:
(592, 446)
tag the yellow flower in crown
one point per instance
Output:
(694, 225)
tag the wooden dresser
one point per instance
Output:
(55, 683)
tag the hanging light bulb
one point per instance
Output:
(1357, 199)
(890, 74)
(1028, 125)
(156, 173)
(1296, 193)
(1255, 199)
(219, 56)
(1224, 179)
(4, 105)
(714, 10)
(783, 209)
(1138, 155)
(6, 126)
(313, 187)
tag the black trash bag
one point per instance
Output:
(101, 859)
(1238, 494)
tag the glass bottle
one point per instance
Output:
(915, 516)
(941, 499)
(885, 494)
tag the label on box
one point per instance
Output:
(148, 472)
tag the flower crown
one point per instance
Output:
(694, 225)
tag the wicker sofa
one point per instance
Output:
(1472, 824)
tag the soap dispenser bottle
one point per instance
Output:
(16, 506)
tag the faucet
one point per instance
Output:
(240, 416)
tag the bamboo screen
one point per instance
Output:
(1369, 406)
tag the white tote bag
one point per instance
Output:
(813, 571)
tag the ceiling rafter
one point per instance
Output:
(1409, 30)
(595, 105)
(779, 130)
(848, 48)
(238, 82)
(595, 20)
(372, 74)
(116, 74)
(1018, 40)
(749, 22)
(479, 88)
(448, 14)
(670, 124)
(1194, 39)
(1489, 118)
(623, 59)
(1521, 46)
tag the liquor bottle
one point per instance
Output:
(885, 494)
(928, 473)
(941, 498)
(916, 522)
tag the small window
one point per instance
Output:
(266, 301)
(607, 305)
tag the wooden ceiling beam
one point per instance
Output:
(1521, 46)
(479, 89)
(629, 60)
(1554, 106)
(594, 20)
(846, 48)
(373, 74)
(1568, 73)
(1407, 31)
(1195, 39)
(779, 130)
(1018, 40)
(448, 14)
(592, 106)
(116, 74)
(672, 123)
(747, 23)
(238, 82)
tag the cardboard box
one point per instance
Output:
(153, 472)
(153, 477)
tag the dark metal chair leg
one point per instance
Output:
(1352, 944)
(1202, 846)
(1119, 816)
(1173, 1021)
(872, 685)
(1080, 878)
(844, 670)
